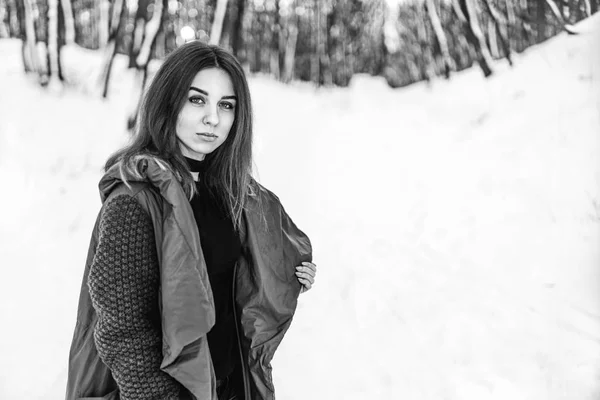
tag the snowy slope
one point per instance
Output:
(456, 227)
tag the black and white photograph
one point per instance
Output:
(300, 199)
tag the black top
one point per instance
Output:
(221, 247)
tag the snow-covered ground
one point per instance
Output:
(456, 228)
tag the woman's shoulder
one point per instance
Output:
(134, 190)
(142, 173)
(142, 193)
(260, 192)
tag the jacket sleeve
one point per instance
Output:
(124, 286)
(296, 245)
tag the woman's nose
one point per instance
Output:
(211, 117)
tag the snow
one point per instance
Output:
(455, 226)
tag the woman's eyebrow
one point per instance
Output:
(204, 92)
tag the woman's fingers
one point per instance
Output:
(306, 284)
(309, 272)
(308, 268)
(306, 276)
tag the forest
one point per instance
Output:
(321, 41)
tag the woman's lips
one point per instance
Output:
(210, 137)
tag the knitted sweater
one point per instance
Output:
(124, 286)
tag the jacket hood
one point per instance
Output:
(152, 170)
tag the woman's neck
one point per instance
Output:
(195, 165)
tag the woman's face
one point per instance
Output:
(207, 116)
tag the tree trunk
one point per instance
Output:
(153, 27)
(4, 30)
(118, 16)
(426, 64)
(237, 44)
(526, 22)
(217, 25)
(290, 48)
(256, 42)
(330, 42)
(467, 12)
(315, 72)
(20, 11)
(69, 21)
(104, 23)
(346, 65)
(497, 21)
(14, 27)
(324, 60)
(276, 37)
(333, 48)
(510, 23)
(54, 40)
(556, 12)
(49, 25)
(31, 60)
(314, 43)
(61, 38)
(150, 33)
(493, 39)
(587, 7)
(440, 36)
(141, 16)
(228, 22)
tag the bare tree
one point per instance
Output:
(237, 44)
(325, 73)
(152, 28)
(54, 39)
(497, 20)
(440, 36)
(510, 22)
(426, 68)
(276, 43)
(315, 37)
(14, 27)
(119, 11)
(559, 17)
(31, 62)
(290, 47)
(587, 7)
(467, 12)
(104, 23)
(217, 25)
(69, 22)
(527, 29)
(139, 24)
(4, 30)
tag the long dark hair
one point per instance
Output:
(229, 167)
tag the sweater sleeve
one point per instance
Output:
(124, 286)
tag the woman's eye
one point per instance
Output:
(228, 106)
(196, 100)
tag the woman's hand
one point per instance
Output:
(306, 275)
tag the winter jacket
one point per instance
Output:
(265, 285)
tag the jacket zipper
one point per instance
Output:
(237, 332)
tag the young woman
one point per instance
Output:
(194, 269)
